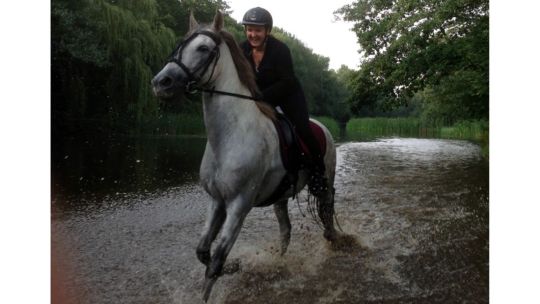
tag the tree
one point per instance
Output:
(104, 54)
(412, 45)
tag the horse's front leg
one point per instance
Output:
(282, 214)
(237, 211)
(214, 222)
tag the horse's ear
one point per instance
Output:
(218, 21)
(193, 24)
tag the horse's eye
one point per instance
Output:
(203, 48)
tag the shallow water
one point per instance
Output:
(417, 208)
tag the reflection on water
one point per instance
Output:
(87, 172)
(417, 207)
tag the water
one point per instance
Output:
(418, 209)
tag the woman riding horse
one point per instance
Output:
(242, 164)
(272, 63)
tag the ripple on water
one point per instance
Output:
(417, 208)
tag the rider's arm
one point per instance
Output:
(280, 72)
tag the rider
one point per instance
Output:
(272, 63)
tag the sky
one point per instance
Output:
(312, 22)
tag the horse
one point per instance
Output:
(241, 166)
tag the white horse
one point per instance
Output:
(241, 166)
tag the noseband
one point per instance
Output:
(193, 79)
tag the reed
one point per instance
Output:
(377, 127)
(475, 130)
(373, 127)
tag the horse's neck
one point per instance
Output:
(229, 119)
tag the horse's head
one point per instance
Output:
(193, 62)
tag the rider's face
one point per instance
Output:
(256, 35)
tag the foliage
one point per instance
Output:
(373, 127)
(467, 129)
(411, 46)
(105, 52)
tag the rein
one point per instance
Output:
(213, 91)
(191, 86)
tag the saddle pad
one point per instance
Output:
(291, 145)
(319, 135)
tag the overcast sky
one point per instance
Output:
(312, 22)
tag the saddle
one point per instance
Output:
(294, 154)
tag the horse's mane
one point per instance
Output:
(245, 73)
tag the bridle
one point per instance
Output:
(194, 76)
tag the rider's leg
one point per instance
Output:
(296, 110)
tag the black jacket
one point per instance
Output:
(275, 76)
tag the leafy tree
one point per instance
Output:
(412, 45)
(324, 91)
(105, 52)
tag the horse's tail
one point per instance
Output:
(321, 208)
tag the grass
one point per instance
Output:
(356, 129)
(371, 128)
(477, 131)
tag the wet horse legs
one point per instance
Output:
(326, 214)
(237, 211)
(282, 214)
(216, 217)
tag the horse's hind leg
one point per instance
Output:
(214, 221)
(326, 214)
(282, 214)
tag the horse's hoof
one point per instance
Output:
(204, 257)
(207, 288)
(330, 236)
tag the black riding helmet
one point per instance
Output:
(258, 16)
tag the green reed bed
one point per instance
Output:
(475, 130)
(414, 127)
(384, 127)
(371, 128)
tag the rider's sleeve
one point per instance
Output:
(285, 80)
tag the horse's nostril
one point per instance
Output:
(165, 82)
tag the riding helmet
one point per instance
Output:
(258, 16)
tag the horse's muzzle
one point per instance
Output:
(168, 83)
